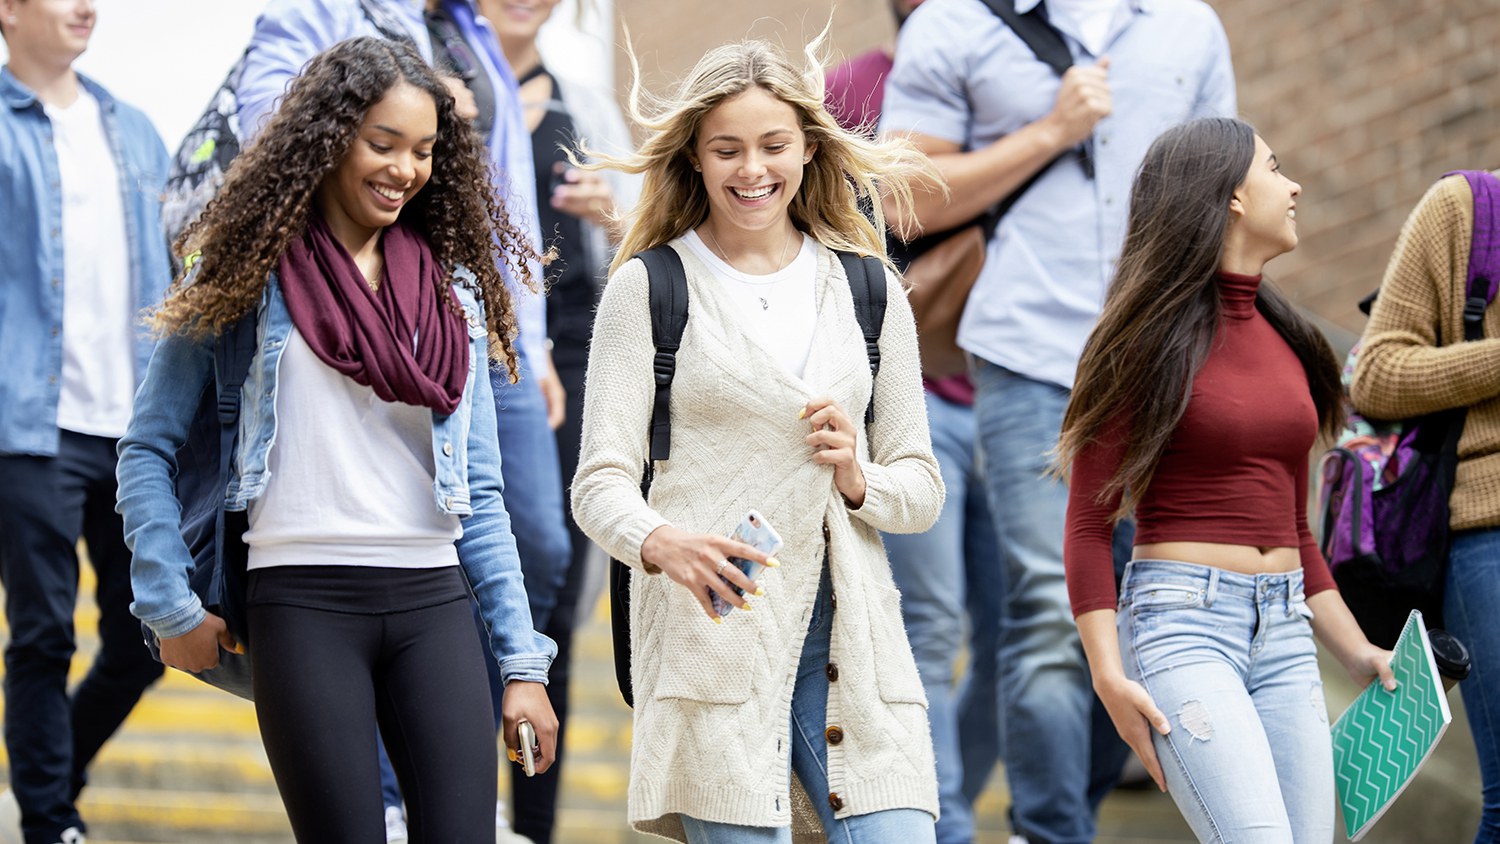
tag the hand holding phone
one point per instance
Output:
(526, 735)
(755, 531)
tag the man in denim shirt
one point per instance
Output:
(992, 115)
(83, 253)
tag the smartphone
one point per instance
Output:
(756, 532)
(529, 749)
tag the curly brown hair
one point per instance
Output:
(269, 192)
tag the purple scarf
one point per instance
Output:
(404, 342)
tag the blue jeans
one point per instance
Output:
(930, 570)
(1470, 610)
(1230, 659)
(533, 496)
(809, 760)
(1060, 757)
(46, 504)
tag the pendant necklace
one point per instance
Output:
(780, 264)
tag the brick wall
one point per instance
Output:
(1365, 101)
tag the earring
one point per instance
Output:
(697, 167)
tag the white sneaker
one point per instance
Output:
(72, 835)
(503, 833)
(395, 825)
(10, 818)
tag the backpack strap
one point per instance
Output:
(1484, 251)
(866, 276)
(669, 315)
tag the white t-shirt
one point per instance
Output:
(779, 311)
(98, 371)
(350, 476)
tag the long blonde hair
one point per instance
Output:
(844, 179)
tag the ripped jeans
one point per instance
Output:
(1229, 658)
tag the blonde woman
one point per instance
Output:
(753, 184)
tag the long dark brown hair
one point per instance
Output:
(1163, 307)
(268, 197)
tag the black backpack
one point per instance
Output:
(204, 156)
(213, 535)
(669, 316)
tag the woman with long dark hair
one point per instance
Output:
(1199, 396)
(362, 231)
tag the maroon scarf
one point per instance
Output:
(404, 342)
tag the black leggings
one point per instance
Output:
(339, 649)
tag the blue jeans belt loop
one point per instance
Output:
(1213, 588)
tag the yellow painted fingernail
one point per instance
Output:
(239, 648)
(801, 414)
(760, 593)
(747, 607)
(772, 562)
(718, 619)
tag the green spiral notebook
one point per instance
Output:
(1383, 738)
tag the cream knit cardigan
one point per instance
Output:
(713, 701)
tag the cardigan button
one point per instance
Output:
(835, 801)
(834, 734)
(833, 673)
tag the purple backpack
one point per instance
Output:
(1385, 486)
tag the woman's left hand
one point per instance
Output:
(526, 701)
(833, 438)
(1368, 663)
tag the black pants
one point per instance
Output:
(338, 650)
(46, 505)
(535, 798)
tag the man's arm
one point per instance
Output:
(979, 179)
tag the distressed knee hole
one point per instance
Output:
(1193, 716)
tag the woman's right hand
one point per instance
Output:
(1135, 715)
(698, 560)
(198, 649)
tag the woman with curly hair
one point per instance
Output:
(740, 717)
(362, 233)
(1199, 395)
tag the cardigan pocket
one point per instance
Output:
(897, 676)
(702, 661)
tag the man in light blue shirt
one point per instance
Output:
(992, 115)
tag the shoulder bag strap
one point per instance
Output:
(1484, 251)
(385, 21)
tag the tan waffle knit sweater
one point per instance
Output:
(713, 701)
(1404, 372)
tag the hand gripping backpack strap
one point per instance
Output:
(867, 286)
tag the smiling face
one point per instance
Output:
(1263, 208)
(53, 30)
(388, 163)
(517, 20)
(751, 151)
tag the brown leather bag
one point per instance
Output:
(940, 280)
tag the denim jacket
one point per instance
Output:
(465, 452)
(31, 252)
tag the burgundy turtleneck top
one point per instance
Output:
(1234, 472)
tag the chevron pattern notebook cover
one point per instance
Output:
(1383, 738)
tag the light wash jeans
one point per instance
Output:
(809, 760)
(1471, 609)
(1060, 756)
(931, 570)
(1230, 660)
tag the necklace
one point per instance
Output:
(780, 263)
